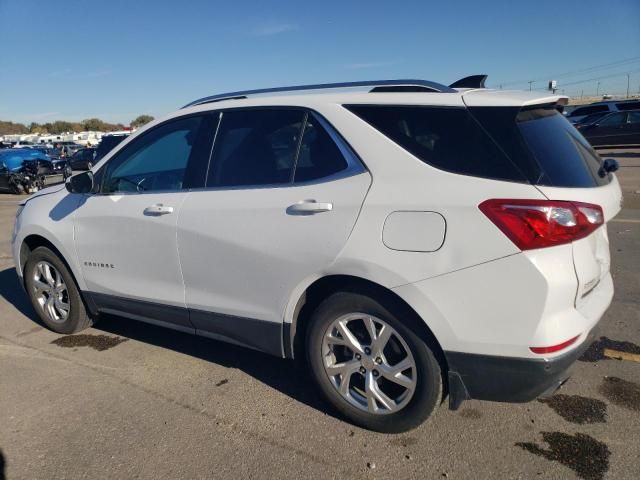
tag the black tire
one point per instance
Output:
(428, 390)
(77, 318)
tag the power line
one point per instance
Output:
(594, 68)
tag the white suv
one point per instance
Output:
(409, 239)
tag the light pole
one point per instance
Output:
(598, 89)
(628, 75)
(530, 83)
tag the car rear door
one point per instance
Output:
(283, 193)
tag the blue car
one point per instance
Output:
(24, 170)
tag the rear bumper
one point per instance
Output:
(508, 379)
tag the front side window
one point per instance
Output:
(634, 117)
(156, 161)
(613, 120)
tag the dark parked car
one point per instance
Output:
(614, 129)
(106, 145)
(579, 113)
(83, 159)
(25, 170)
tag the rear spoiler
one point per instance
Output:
(472, 81)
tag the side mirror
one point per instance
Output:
(80, 183)
(608, 165)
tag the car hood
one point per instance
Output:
(44, 191)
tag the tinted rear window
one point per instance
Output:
(447, 138)
(535, 145)
(565, 158)
(628, 105)
(589, 110)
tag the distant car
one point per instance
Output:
(602, 107)
(106, 145)
(24, 170)
(614, 129)
(83, 159)
(67, 149)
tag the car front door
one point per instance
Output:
(283, 193)
(608, 130)
(126, 232)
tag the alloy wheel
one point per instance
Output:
(51, 292)
(369, 363)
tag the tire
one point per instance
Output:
(42, 270)
(326, 346)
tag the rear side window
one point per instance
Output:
(589, 110)
(255, 147)
(628, 106)
(446, 138)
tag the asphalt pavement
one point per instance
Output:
(129, 400)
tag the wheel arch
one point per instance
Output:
(294, 332)
(35, 240)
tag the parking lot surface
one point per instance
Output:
(129, 400)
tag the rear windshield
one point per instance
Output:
(537, 145)
(565, 158)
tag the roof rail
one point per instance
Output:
(377, 86)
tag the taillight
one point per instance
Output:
(543, 223)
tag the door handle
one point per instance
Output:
(309, 207)
(157, 210)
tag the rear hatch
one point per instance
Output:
(561, 164)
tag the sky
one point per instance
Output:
(115, 60)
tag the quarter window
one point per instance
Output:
(319, 155)
(156, 161)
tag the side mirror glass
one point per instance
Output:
(80, 183)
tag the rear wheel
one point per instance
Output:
(53, 292)
(374, 369)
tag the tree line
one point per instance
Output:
(62, 126)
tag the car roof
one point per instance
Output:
(457, 97)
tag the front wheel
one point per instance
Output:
(369, 365)
(53, 292)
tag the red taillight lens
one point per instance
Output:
(554, 348)
(542, 223)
